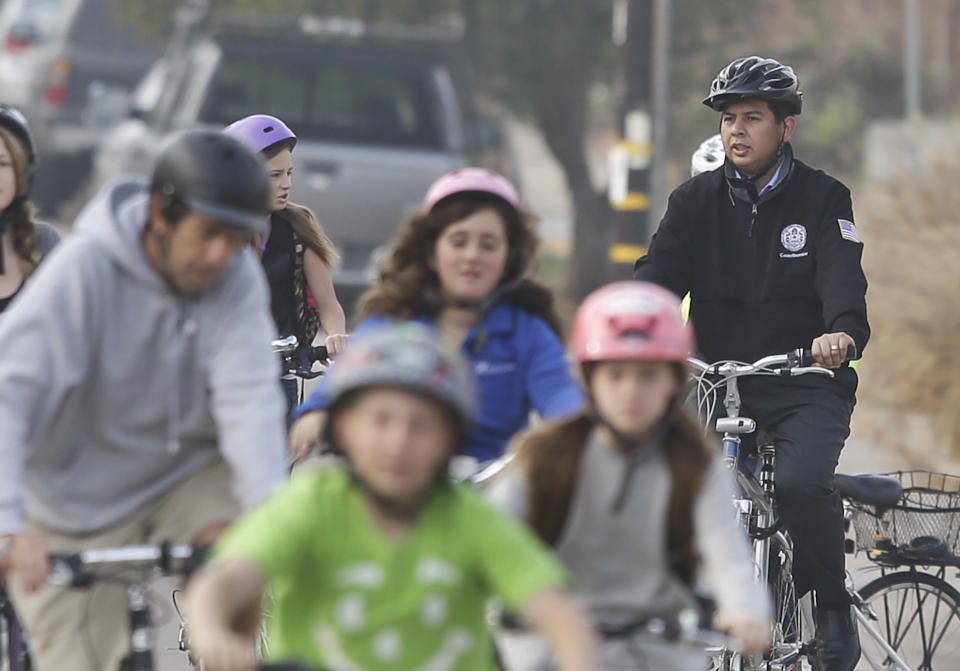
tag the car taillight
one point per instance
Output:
(56, 92)
(56, 95)
(14, 43)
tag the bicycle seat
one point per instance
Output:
(872, 490)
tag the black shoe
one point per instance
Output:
(838, 645)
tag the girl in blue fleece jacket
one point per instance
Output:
(460, 266)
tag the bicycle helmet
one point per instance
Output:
(408, 356)
(631, 320)
(261, 131)
(465, 180)
(755, 77)
(14, 121)
(708, 156)
(215, 175)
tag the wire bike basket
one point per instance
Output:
(922, 528)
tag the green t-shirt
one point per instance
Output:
(346, 598)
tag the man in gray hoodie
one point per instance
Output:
(136, 376)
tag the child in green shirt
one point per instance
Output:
(380, 562)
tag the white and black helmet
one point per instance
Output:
(708, 156)
(755, 77)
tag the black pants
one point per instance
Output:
(809, 419)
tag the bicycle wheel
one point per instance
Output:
(919, 614)
(789, 625)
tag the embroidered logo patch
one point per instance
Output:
(848, 231)
(793, 237)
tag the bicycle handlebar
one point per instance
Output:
(793, 363)
(77, 569)
(297, 361)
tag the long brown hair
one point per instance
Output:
(302, 219)
(550, 456)
(20, 211)
(305, 225)
(408, 286)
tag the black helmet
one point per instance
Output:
(214, 175)
(13, 120)
(755, 77)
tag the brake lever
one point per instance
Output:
(811, 369)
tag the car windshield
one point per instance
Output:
(328, 96)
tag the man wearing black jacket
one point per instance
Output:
(767, 248)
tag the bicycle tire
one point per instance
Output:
(916, 627)
(788, 632)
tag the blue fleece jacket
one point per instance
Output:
(520, 368)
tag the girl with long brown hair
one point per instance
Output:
(295, 252)
(460, 266)
(628, 493)
(23, 241)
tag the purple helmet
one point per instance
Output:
(261, 131)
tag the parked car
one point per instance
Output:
(70, 66)
(377, 122)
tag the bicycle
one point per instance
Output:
(791, 643)
(915, 525)
(136, 565)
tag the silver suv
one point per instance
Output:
(376, 123)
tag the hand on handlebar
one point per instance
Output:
(336, 344)
(305, 433)
(751, 635)
(220, 649)
(830, 349)
(28, 560)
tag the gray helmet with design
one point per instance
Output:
(753, 77)
(407, 356)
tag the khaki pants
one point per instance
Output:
(71, 629)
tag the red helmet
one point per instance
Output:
(470, 180)
(631, 320)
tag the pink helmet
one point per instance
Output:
(631, 320)
(470, 179)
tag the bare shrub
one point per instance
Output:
(910, 378)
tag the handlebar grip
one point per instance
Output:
(67, 570)
(806, 356)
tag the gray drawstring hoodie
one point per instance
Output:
(114, 388)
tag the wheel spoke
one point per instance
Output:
(920, 618)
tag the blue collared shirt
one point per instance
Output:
(522, 368)
(777, 176)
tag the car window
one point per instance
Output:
(337, 101)
(100, 25)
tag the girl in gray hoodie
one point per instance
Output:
(628, 493)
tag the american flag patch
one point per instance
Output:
(848, 231)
